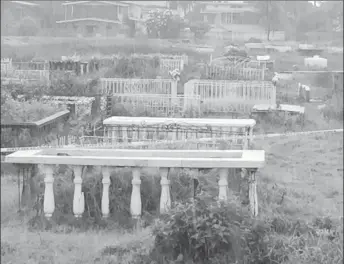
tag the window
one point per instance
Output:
(236, 18)
(90, 29)
(226, 18)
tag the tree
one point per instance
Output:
(199, 28)
(196, 23)
(185, 6)
(294, 11)
(334, 13)
(270, 15)
(163, 24)
(131, 26)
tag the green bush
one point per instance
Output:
(203, 232)
(13, 111)
(135, 68)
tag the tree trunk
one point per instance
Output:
(268, 20)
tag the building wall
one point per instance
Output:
(245, 26)
(80, 29)
(94, 11)
(322, 36)
(244, 35)
(103, 11)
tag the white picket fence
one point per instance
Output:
(6, 65)
(167, 64)
(211, 95)
(157, 104)
(14, 71)
(30, 65)
(218, 72)
(113, 86)
(228, 96)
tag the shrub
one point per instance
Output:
(201, 231)
(13, 111)
(330, 112)
(73, 86)
(163, 24)
(135, 68)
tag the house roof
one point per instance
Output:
(89, 19)
(26, 3)
(161, 4)
(117, 3)
(224, 2)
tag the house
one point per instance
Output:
(21, 9)
(234, 20)
(105, 18)
(14, 11)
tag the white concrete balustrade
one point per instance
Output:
(108, 159)
(134, 129)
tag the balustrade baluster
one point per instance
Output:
(174, 134)
(105, 196)
(253, 196)
(134, 134)
(165, 199)
(49, 199)
(25, 193)
(157, 133)
(223, 185)
(143, 133)
(124, 134)
(250, 136)
(78, 199)
(182, 134)
(166, 134)
(135, 202)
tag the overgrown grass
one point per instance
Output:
(54, 48)
(301, 209)
(13, 111)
